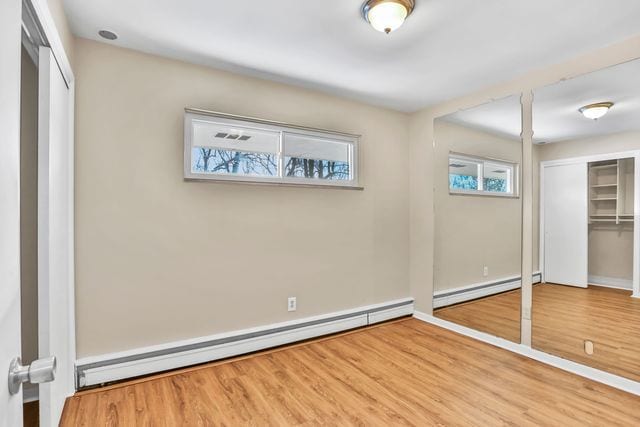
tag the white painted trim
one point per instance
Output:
(636, 222)
(477, 290)
(597, 375)
(112, 367)
(611, 282)
(43, 14)
(30, 394)
(636, 227)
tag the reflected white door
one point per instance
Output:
(10, 12)
(566, 228)
(55, 235)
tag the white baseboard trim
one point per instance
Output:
(107, 368)
(611, 282)
(478, 290)
(603, 377)
(30, 394)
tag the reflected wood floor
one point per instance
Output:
(563, 318)
(402, 373)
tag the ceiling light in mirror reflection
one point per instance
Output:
(556, 108)
(596, 111)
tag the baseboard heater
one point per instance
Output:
(478, 290)
(98, 370)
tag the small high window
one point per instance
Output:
(223, 147)
(482, 176)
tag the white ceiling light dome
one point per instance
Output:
(387, 15)
(595, 111)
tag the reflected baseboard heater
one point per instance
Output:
(98, 370)
(478, 290)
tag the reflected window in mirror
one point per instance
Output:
(478, 218)
(474, 175)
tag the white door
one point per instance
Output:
(566, 225)
(10, 12)
(55, 235)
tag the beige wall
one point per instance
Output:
(28, 207)
(421, 154)
(610, 248)
(472, 232)
(160, 259)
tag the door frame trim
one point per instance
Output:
(636, 194)
(40, 17)
(40, 11)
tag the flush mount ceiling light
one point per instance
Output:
(595, 111)
(387, 15)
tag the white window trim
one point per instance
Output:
(480, 191)
(283, 128)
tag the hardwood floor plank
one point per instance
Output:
(403, 373)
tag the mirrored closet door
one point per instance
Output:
(478, 218)
(586, 179)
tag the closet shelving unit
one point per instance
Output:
(611, 192)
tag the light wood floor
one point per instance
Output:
(402, 373)
(563, 318)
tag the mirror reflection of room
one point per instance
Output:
(587, 135)
(477, 209)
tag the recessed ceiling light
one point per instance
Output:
(106, 34)
(595, 111)
(387, 15)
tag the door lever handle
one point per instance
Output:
(39, 371)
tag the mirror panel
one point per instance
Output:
(586, 219)
(478, 217)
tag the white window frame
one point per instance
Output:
(192, 114)
(482, 161)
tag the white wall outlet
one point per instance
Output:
(485, 271)
(292, 304)
(526, 313)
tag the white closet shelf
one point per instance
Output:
(602, 199)
(604, 185)
(613, 165)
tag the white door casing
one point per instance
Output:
(55, 235)
(10, 12)
(566, 227)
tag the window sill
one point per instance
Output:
(479, 194)
(276, 183)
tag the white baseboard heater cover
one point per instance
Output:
(97, 370)
(478, 290)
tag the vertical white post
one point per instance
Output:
(636, 226)
(527, 217)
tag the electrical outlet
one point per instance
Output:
(526, 313)
(485, 271)
(292, 304)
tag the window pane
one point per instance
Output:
(215, 161)
(497, 177)
(234, 150)
(316, 158)
(463, 174)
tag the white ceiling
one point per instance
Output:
(555, 108)
(501, 117)
(447, 48)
